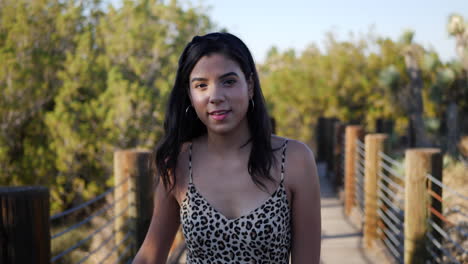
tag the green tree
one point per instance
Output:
(115, 85)
(30, 55)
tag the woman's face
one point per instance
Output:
(220, 93)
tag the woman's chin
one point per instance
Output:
(221, 129)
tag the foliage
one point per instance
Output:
(79, 81)
(358, 81)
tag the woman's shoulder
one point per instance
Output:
(294, 148)
(299, 162)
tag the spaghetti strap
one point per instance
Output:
(283, 158)
(190, 163)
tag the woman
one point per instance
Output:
(241, 194)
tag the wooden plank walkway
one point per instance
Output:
(341, 240)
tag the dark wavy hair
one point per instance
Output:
(180, 127)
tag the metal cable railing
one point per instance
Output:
(89, 218)
(87, 203)
(82, 241)
(102, 244)
(126, 237)
(359, 175)
(100, 229)
(390, 193)
(446, 226)
(446, 239)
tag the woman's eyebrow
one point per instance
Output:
(198, 79)
(228, 74)
(220, 77)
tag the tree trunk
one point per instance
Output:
(414, 101)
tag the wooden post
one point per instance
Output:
(419, 162)
(137, 191)
(352, 133)
(330, 141)
(338, 155)
(320, 136)
(374, 143)
(24, 225)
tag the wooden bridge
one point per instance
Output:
(400, 203)
(341, 238)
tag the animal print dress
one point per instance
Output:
(261, 236)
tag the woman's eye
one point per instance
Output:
(229, 82)
(200, 85)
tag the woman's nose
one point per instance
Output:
(216, 95)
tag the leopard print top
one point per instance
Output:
(261, 236)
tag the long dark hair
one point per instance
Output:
(181, 126)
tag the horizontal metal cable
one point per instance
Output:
(433, 255)
(446, 236)
(360, 201)
(389, 192)
(359, 184)
(360, 170)
(387, 201)
(395, 218)
(391, 160)
(97, 198)
(360, 144)
(359, 190)
(392, 237)
(81, 242)
(391, 182)
(116, 246)
(436, 243)
(89, 218)
(390, 246)
(127, 248)
(103, 243)
(446, 188)
(388, 222)
(392, 171)
(361, 153)
(439, 215)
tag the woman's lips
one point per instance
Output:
(220, 116)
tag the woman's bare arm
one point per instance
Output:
(161, 232)
(306, 219)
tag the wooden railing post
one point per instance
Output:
(419, 162)
(352, 133)
(374, 143)
(24, 225)
(133, 164)
(338, 170)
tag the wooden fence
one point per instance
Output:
(25, 220)
(400, 205)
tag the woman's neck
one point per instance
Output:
(229, 143)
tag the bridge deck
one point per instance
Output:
(341, 240)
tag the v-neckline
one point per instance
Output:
(251, 212)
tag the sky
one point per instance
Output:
(296, 24)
